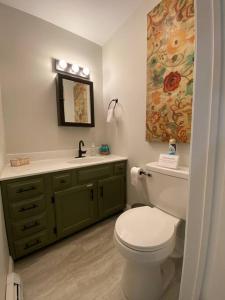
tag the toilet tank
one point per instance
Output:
(168, 189)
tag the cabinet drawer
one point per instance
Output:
(29, 226)
(94, 173)
(62, 181)
(30, 244)
(25, 189)
(120, 168)
(28, 208)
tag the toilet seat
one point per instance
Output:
(145, 229)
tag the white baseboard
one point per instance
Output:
(14, 288)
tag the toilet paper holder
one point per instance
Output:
(142, 172)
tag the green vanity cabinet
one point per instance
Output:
(29, 214)
(41, 209)
(76, 208)
(111, 193)
(63, 180)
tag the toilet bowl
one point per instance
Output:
(145, 237)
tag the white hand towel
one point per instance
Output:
(110, 114)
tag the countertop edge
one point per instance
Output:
(57, 169)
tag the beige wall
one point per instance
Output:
(124, 76)
(4, 255)
(28, 45)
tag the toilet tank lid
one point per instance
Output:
(181, 172)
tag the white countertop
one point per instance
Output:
(53, 165)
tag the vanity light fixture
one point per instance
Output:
(62, 66)
(75, 69)
(86, 71)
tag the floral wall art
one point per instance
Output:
(170, 65)
(80, 92)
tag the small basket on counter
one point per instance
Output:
(104, 149)
(18, 162)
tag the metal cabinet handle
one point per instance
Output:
(22, 209)
(62, 181)
(92, 194)
(90, 185)
(32, 244)
(23, 190)
(31, 225)
(101, 191)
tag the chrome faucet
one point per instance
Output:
(80, 151)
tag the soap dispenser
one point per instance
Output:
(172, 147)
(93, 150)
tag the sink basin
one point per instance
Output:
(86, 160)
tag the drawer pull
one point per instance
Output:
(90, 185)
(92, 195)
(32, 244)
(62, 181)
(31, 225)
(101, 191)
(22, 209)
(26, 190)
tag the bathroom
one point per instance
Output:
(110, 39)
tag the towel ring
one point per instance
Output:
(113, 100)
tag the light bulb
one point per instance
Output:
(62, 64)
(75, 68)
(86, 71)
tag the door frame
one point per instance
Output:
(206, 106)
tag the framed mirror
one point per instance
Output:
(75, 101)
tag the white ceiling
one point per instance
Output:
(95, 20)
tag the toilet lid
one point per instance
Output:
(145, 228)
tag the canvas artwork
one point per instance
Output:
(80, 102)
(170, 66)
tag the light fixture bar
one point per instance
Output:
(62, 66)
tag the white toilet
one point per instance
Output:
(146, 236)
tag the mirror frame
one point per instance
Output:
(60, 101)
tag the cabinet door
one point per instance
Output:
(111, 193)
(76, 208)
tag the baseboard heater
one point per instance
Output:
(14, 290)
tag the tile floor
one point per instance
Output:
(85, 266)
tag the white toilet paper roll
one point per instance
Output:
(139, 183)
(135, 174)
